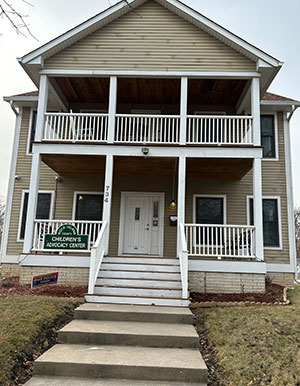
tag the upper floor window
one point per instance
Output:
(32, 130)
(268, 139)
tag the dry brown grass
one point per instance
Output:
(255, 345)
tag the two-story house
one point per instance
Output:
(152, 161)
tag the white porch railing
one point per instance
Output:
(97, 254)
(162, 129)
(233, 241)
(46, 227)
(71, 127)
(220, 130)
(183, 260)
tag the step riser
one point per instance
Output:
(127, 340)
(89, 370)
(134, 317)
(140, 267)
(141, 260)
(138, 292)
(139, 275)
(137, 301)
(139, 283)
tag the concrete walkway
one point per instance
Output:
(124, 345)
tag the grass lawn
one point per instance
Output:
(254, 345)
(26, 325)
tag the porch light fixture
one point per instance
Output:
(58, 179)
(80, 197)
(145, 150)
(173, 204)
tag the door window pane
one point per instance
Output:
(42, 210)
(268, 135)
(89, 207)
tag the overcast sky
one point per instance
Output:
(271, 25)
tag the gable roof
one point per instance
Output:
(123, 7)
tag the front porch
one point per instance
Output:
(188, 209)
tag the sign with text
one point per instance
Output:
(66, 238)
(48, 278)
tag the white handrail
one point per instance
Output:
(75, 127)
(46, 227)
(183, 260)
(218, 240)
(97, 254)
(220, 130)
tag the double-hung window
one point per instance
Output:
(271, 226)
(268, 135)
(209, 210)
(43, 210)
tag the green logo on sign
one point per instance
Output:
(66, 238)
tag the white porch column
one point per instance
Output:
(32, 202)
(255, 110)
(112, 109)
(42, 107)
(183, 110)
(108, 196)
(181, 196)
(258, 208)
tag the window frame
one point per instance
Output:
(32, 110)
(278, 199)
(274, 114)
(24, 191)
(77, 192)
(223, 196)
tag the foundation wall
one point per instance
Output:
(215, 282)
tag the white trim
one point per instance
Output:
(281, 268)
(278, 198)
(223, 196)
(107, 197)
(227, 266)
(154, 151)
(181, 201)
(11, 184)
(77, 192)
(199, 112)
(154, 74)
(276, 158)
(52, 192)
(289, 195)
(184, 90)
(122, 218)
(42, 107)
(55, 261)
(99, 111)
(279, 103)
(255, 110)
(112, 108)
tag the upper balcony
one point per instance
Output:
(151, 111)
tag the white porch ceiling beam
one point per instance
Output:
(154, 151)
(165, 74)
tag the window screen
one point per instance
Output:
(42, 210)
(89, 207)
(209, 210)
(270, 221)
(268, 135)
(32, 130)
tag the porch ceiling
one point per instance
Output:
(207, 92)
(203, 168)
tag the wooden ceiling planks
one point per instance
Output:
(152, 91)
(201, 168)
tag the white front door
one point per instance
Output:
(142, 224)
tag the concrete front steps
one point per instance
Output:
(139, 280)
(124, 345)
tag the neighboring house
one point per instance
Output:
(149, 134)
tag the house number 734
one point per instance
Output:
(107, 193)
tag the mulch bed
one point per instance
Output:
(11, 286)
(274, 294)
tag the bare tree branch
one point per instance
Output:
(16, 18)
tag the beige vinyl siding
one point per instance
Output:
(151, 38)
